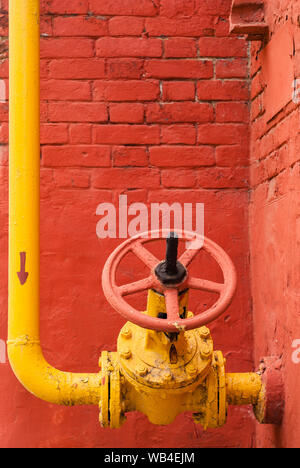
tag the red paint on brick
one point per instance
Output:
(128, 47)
(126, 134)
(126, 91)
(180, 47)
(78, 112)
(179, 112)
(180, 156)
(179, 91)
(275, 210)
(80, 26)
(189, 69)
(121, 83)
(77, 69)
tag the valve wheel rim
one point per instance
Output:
(115, 294)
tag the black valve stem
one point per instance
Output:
(171, 271)
(172, 254)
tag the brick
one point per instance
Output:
(232, 155)
(124, 7)
(126, 26)
(217, 90)
(126, 91)
(66, 47)
(4, 6)
(225, 177)
(77, 112)
(128, 47)
(217, 7)
(222, 27)
(223, 134)
(126, 113)
(183, 27)
(185, 112)
(3, 112)
(126, 178)
(232, 112)
(44, 73)
(54, 133)
(129, 156)
(4, 48)
(3, 132)
(178, 8)
(77, 68)
(193, 69)
(178, 178)
(71, 178)
(124, 68)
(180, 47)
(181, 156)
(233, 68)
(4, 68)
(179, 91)
(4, 155)
(65, 90)
(127, 134)
(255, 62)
(64, 7)
(80, 133)
(76, 155)
(257, 85)
(257, 107)
(46, 26)
(178, 134)
(43, 111)
(222, 47)
(80, 26)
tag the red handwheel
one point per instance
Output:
(169, 277)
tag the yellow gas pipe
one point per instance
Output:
(24, 349)
(122, 385)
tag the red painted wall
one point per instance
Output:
(146, 98)
(275, 209)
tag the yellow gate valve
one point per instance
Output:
(165, 362)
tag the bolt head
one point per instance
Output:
(204, 333)
(167, 377)
(191, 370)
(205, 351)
(126, 353)
(141, 370)
(126, 333)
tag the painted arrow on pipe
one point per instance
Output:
(22, 274)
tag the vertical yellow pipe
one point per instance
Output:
(24, 167)
(24, 349)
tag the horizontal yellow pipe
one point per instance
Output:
(243, 389)
(24, 348)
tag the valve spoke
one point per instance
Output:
(205, 285)
(137, 286)
(172, 304)
(143, 254)
(188, 256)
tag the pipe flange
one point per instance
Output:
(111, 396)
(270, 406)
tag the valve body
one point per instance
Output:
(163, 375)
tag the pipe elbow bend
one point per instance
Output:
(47, 383)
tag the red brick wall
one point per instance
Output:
(147, 98)
(275, 208)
